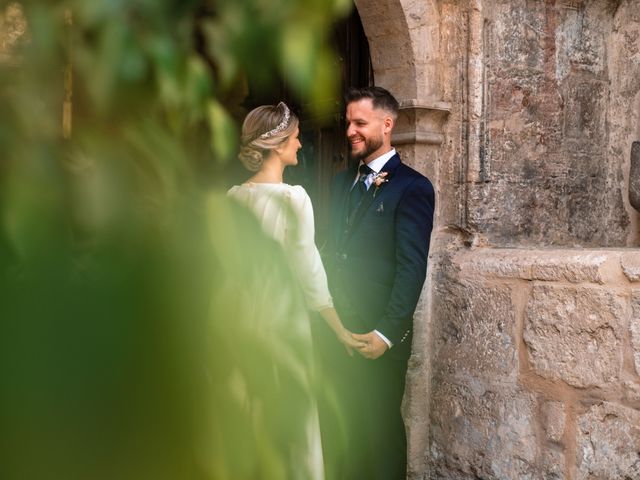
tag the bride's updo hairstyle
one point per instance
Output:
(264, 129)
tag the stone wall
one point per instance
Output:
(536, 365)
(561, 80)
(545, 103)
(532, 351)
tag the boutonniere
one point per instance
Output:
(378, 180)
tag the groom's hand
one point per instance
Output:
(373, 347)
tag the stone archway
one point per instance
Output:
(404, 42)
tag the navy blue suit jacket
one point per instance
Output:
(379, 256)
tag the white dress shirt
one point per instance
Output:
(375, 165)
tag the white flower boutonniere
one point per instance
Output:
(378, 180)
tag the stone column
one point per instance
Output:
(418, 136)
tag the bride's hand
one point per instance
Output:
(346, 338)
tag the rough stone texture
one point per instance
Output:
(474, 343)
(574, 308)
(608, 443)
(634, 176)
(575, 266)
(554, 418)
(503, 263)
(410, 27)
(574, 334)
(631, 266)
(487, 433)
(624, 101)
(634, 327)
(547, 177)
(631, 394)
(570, 266)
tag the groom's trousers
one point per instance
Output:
(363, 434)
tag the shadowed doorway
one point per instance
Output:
(324, 147)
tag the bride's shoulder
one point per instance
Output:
(297, 192)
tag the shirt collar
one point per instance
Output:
(377, 163)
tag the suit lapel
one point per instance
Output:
(389, 167)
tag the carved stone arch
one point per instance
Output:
(403, 38)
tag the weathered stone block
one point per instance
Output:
(516, 36)
(634, 327)
(608, 443)
(574, 266)
(381, 57)
(580, 43)
(396, 80)
(551, 465)
(574, 334)
(570, 266)
(631, 265)
(500, 263)
(634, 176)
(533, 208)
(631, 393)
(553, 420)
(548, 175)
(584, 112)
(487, 433)
(477, 338)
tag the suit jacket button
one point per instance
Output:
(343, 256)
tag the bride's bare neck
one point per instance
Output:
(270, 172)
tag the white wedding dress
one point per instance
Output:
(286, 214)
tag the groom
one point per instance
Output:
(382, 215)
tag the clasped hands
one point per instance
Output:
(369, 345)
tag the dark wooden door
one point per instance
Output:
(324, 147)
(325, 151)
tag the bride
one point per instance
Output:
(270, 144)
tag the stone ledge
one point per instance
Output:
(414, 103)
(634, 328)
(563, 265)
(409, 138)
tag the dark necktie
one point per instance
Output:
(359, 189)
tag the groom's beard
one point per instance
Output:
(370, 146)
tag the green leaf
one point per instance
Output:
(223, 130)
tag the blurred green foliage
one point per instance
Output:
(147, 328)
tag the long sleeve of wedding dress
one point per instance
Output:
(303, 253)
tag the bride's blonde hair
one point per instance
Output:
(264, 129)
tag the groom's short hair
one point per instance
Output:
(380, 98)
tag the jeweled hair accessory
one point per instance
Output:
(281, 126)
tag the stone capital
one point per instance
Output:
(421, 122)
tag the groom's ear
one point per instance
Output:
(388, 124)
